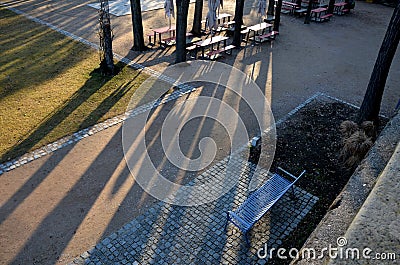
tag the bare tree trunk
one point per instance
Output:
(308, 14)
(277, 20)
(137, 26)
(198, 13)
(108, 55)
(331, 6)
(271, 8)
(237, 36)
(182, 8)
(371, 104)
(105, 34)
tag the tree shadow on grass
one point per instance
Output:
(33, 54)
(107, 104)
(91, 86)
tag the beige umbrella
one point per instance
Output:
(169, 10)
(212, 15)
(262, 8)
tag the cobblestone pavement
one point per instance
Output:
(170, 234)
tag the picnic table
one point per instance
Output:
(160, 31)
(221, 19)
(290, 6)
(211, 43)
(170, 41)
(319, 14)
(258, 30)
(339, 8)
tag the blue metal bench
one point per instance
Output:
(261, 200)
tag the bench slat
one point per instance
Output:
(326, 16)
(271, 187)
(268, 35)
(239, 222)
(227, 48)
(269, 193)
(266, 197)
(191, 48)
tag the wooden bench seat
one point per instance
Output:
(190, 40)
(188, 34)
(269, 35)
(326, 17)
(169, 39)
(261, 201)
(288, 7)
(172, 40)
(288, 10)
(230, 23)
(301, 11)
(191, 48)
(216, 52)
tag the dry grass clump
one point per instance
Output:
(357, 140)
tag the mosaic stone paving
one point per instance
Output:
(170, 234)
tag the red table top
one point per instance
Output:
(165, 29)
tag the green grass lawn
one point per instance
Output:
(50, 86)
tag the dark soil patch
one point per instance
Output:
(311, 140)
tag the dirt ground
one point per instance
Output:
(61, 205)
(312, 140)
